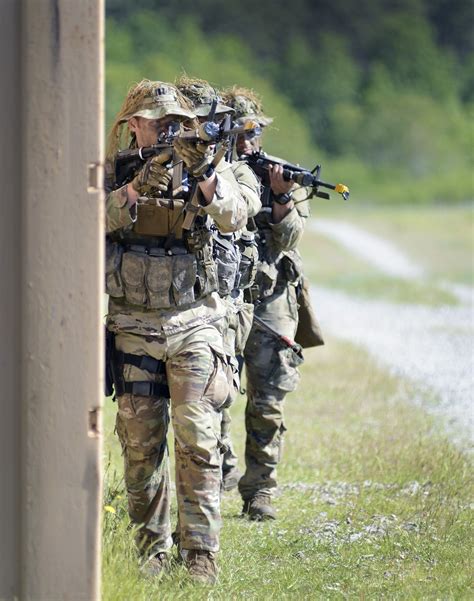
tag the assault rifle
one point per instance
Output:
(127, 162)
(260, 162)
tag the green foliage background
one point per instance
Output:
(379, 91)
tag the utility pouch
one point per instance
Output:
(227, 257)
(113, 260)
(159, 279)
(183, 278)
(152, 219)
(133, 277)
(291, 267)
(206, 280)
(248, 260)
(308, 333)
(266, 278)
(285, 375)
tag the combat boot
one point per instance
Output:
(259, 508)
(201, 566)
(156, 564)
(230, 479)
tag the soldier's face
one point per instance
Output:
(247, 145)
(147, 130)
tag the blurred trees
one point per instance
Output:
(383, 87)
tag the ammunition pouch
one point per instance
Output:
(227, 257)
(161, 272)
(113, 262)
(248, 260)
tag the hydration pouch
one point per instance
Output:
(159, 279)
(183, 278)
(113, 261)
(133, 277)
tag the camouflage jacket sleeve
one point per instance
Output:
(228, 207)
(287, 233)
(117, 212)
(249, 186)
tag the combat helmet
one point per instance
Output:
(155, 100)
(151, 100)
(247, 106)
(202, 95)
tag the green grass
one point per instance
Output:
(328, 264)
(439, 238)
(374, 501)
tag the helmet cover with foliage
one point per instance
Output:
(202, 95)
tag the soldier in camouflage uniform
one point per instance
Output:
(166, 317)
(271, 367)
(236, 256)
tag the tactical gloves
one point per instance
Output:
(196, 157)
(152, 175)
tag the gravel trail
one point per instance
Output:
(431, 346)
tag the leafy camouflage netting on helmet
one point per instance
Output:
(201, 94)
(247, 105)
(151, 100)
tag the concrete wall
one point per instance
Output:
(51, 359)
(10, 256)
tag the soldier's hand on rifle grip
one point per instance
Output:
(196, 157)
(277, 183)
(152, 175)
(279, 186)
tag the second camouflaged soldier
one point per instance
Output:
(236, 256)
(271, 366)
(166, 317)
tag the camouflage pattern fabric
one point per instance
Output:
(271, 373)
(228, 207)
(271, 368)
(198, 383)
(189, 339)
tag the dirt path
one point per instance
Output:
(431, 346)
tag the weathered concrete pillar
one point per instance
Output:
(10, 255)
(51, 359)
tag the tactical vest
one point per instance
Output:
(155, 263)
(275, 269)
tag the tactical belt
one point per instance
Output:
(146, 389)
(156, 251)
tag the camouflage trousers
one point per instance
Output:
(199, 386)
(271, 373)
(239, 317)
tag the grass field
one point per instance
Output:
(374, 501)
